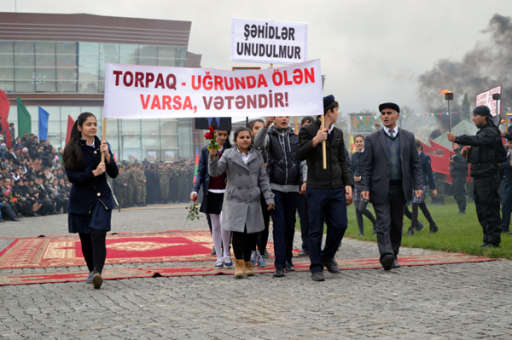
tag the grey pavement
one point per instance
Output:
(461, 301)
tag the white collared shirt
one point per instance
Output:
(245, 157)
(395, 131)
(330, 129)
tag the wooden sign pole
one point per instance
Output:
(103, 136)
(324, 145)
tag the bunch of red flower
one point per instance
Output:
(210, 135)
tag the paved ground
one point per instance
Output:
(460, 301)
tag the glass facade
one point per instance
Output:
(78, 67)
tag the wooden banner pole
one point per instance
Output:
(103, 136)
(324, 145)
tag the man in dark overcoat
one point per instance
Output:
(390, 174)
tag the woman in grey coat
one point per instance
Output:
(241, 209)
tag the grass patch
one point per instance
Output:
(457, 233)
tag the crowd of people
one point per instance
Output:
(33, 180)
(388, 169)
(270, 171)
(142, 183)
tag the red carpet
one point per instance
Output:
(203, 270)
(150, 247)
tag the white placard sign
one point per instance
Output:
(150, 92)
(485, 98)
(268, 42)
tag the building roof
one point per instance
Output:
(93, 28)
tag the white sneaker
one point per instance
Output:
(227, 261)
(219, 263)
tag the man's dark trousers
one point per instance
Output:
(327, 205)
(506, 205)
(460, 192)
(389, 216)
(304, 221)
(284, 226)
(488, 207)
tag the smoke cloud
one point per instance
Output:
(487, 65)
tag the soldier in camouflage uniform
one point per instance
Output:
(164, 172)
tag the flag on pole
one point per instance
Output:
(43, 123)
(24, 119)
(352, 144)
(70, 127)
(196, 166)
(4, 115)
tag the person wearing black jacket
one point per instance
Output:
(458, 173)
(506, 200)
(328, 190)
(280, 143)
(91, 200)
(361, 204)
(484, 153)
(419, 202)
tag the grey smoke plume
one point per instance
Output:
(487, 65)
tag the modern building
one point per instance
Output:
(57, 61)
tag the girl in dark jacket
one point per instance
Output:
(214, 188)
(90, 200)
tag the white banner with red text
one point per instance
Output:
(151, 92)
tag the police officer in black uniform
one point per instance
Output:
(485, 153)
(459, 173)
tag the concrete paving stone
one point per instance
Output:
(463, 301)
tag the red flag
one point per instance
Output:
(70, 127)
(4, 114)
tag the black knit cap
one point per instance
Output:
(329, 102)
(391, 106)
(482, 110)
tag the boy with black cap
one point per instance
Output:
(328, 190)
(485, 154)
(390, 172)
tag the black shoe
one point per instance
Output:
(410, 231)
(387, 261)
(317, 276)
(419, 226)
(97, 280)
(289, 267)
(434, 229)
(332, 267)
(395, 264)
(462, 213)
(279, 272)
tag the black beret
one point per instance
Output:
(391, 106)
(482, 110)
(329, 102)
